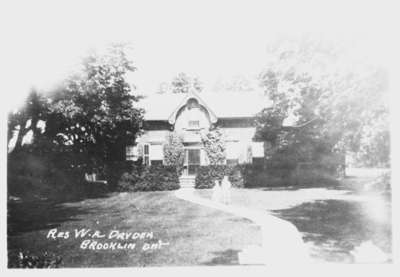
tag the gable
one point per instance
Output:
(219, 104)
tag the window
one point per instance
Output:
(131, 153)
(194, 124)
(146, 154)
(156, 152)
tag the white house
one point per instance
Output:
(192, 115)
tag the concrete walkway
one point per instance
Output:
(281, 241)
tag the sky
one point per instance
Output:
(214, 40)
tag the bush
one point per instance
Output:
(151, 178)
(113, 171)
(207, 175)
(174, 151)
(264, 175)
(27, 260)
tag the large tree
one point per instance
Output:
(91, 114)
(98, 106)
(333, 101)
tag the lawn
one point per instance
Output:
(196, 235)
(332, 221)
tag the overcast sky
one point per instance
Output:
(211, 39)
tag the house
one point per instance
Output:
(192, 115)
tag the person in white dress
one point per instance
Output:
(217, 193)
(226, 190)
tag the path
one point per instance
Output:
(282, 242)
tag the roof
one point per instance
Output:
(222, 104)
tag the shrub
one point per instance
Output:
(27, 260)
(127, 181)
(207, 175)
(113, 171)
(151, 178)
(174, 151)
(159, 177)
(214, 146)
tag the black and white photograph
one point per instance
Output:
(157, 134)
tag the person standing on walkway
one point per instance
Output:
(217, 193)
(226, 190)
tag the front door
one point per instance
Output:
(192, 161)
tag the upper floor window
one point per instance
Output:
(194, 124)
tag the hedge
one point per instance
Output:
(150, 178)
(113, 171)
(207, 175)
(265, 175)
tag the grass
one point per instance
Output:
(333, 228)
(197, 235)
(332, 221)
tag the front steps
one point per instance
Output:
(186, 181)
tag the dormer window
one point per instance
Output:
(194, 124)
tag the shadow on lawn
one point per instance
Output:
(335, 227)
(227, 257)
(333, 185)
(27, 216)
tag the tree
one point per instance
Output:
(238, 83)
(97, 106)
(27, 119)
(182, 83)
(310, 81)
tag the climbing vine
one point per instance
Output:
(174, 151)
(214, 146)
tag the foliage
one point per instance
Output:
(382, 184)
(265, 175)
(311, 85)
(112, 171)
(98, 107)
(182, 83)
(237, 83)
(150, 178)
(27, 260)
(207, 175)
(214, 146)
(174, 151)
(129, 181)
(82, 126)
(27, 119)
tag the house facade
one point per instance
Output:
(191, 116)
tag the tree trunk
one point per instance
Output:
(21, 133)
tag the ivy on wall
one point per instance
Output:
(174, 151)
(214, 146)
